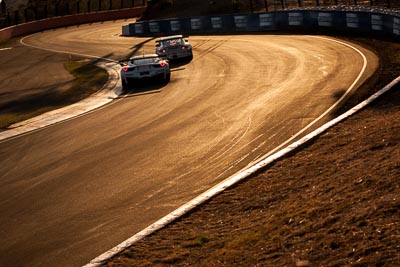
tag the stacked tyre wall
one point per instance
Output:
(382, 24)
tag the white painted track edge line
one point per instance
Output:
(351, 87)
(234, 179)
(22, 41)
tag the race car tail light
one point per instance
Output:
(183, 47)
(160, 64)
(127, 68)
(163, 51)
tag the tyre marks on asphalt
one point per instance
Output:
(209, 49)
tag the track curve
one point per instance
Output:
(74, 190)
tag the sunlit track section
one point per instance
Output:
(127, 165)
(228, 147)
(210, 49)
(184, 209)
(339, 101)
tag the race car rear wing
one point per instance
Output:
(184, 36)
(124, 62)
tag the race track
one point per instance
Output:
(71, 191)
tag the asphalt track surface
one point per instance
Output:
(72, 191)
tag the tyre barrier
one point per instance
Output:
(380, 24)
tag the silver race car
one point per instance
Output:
(174, 47)
(144, 67)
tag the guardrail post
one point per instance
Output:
(26, 14)
(78, 6)
(35, 13)
(16, 17)
(46, 12)
(3, 6)
(300, 3)
(56, 8)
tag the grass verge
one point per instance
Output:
(89, 78)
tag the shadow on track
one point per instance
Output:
(144, 87)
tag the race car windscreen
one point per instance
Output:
(172, 42)
(145, 61)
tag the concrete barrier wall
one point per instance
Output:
(57, 22)
(350, 22)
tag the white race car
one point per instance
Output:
(144, 67)
(174, 47)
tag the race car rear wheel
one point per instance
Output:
(167, 77)
(124, 85)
